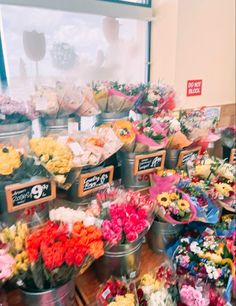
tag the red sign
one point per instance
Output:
(194, 88)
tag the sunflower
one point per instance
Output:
(166, 172)
(183, 204)
(174, 196)
(163, 199)
(223, 189)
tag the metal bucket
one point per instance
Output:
(15, 129)
(104, 118)
(58, 126)
(172, 156)
(127, 177)
(161, 234)
(60, 296)
(73, 192)
(122, 260)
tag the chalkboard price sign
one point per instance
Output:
(146, 163)
(24, 195)
(186, 155)
(93, 181)
(232, 158)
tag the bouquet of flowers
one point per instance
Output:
(207, 257)
(158, 288)
(50, 255)
(173, 205)
(156, 99)
(89, 106)
(228, 137)
(207, 211)
(117, 292)
(227, 225)
(113, 97)
(126, 216)
(12, 111)
(217, 178)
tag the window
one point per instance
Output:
(147, 3)
(52, 45)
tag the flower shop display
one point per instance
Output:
(207, 257)
(172, 205)
(158, 288)
(156, 99)
(116, 292)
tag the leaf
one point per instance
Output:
(37, 274)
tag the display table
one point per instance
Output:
(87, 285)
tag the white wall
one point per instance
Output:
(195, 39)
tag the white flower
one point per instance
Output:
(195, 248)
(212, 272)
(186, 240)
(152, 97)
(161, 298)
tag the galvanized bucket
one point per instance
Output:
(172, 156)
(15, 129)
(58, 126)
(127, 177)
(122, 260)
(60, 296)
(161, 234)
(73, 192)
(104, 118)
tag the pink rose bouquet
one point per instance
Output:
(7, 263)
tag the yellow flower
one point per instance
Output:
(166, 172)
(19, 243)
(203, 170)
(123, 300)
(10, 160)
(174, 196)
(183, 205)
(147, 280)
(223, 189)
(163, 199)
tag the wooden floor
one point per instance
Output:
(87, 285)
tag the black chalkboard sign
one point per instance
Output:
(186, 155)
(93, 181)
(24, 195)
(146, 163)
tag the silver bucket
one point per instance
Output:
(104, 118)
(161, 234)
(121, 260)
(15, 129)
(172, 156)
(58, 126)
(60, 296)
(127, 168)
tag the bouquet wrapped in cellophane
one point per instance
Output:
(65, 156)
(158, 287)
(172, 204)
(217, 179)
(113, 97)
(126, 215)
(117, 292)
(14, 111)
(156, 98)
(141, 136)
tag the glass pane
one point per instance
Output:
(51, 45)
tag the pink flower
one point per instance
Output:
(6, 264)
(132, 236)
(184, 261)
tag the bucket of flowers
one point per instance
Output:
(126, 218)
(49, 256)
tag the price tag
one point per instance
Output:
(41, 103)
(24, 195)
(232, 159)
(93, 181)
(73, 127)
(146, 163)
(186, 155)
